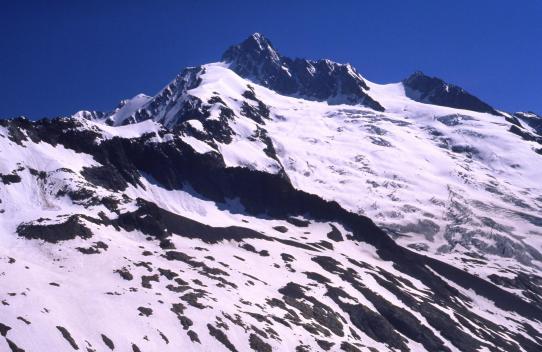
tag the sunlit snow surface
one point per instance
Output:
(449, 183)
(454, 180)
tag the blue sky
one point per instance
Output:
(57, 57)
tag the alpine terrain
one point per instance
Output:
(264, 203)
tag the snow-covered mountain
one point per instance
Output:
(274, 204)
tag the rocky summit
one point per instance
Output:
(263, 203)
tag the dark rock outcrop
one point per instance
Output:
(61, 231)
(531, 119)
(433, 90)
(322, 80)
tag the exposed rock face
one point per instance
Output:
(528, 126)
(323, 80)
(531, 119)
(55, 232)
(434, 90)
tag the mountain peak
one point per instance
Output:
(255, 48)
(259, 39)
(434, 90)
(323, 80)
(422, 81)
(417, 75)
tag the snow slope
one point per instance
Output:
(449, 181)
(221, 215)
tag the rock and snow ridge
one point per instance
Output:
(435, 91)
(230, 213)
(321, 80)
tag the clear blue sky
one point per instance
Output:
(57, 57)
